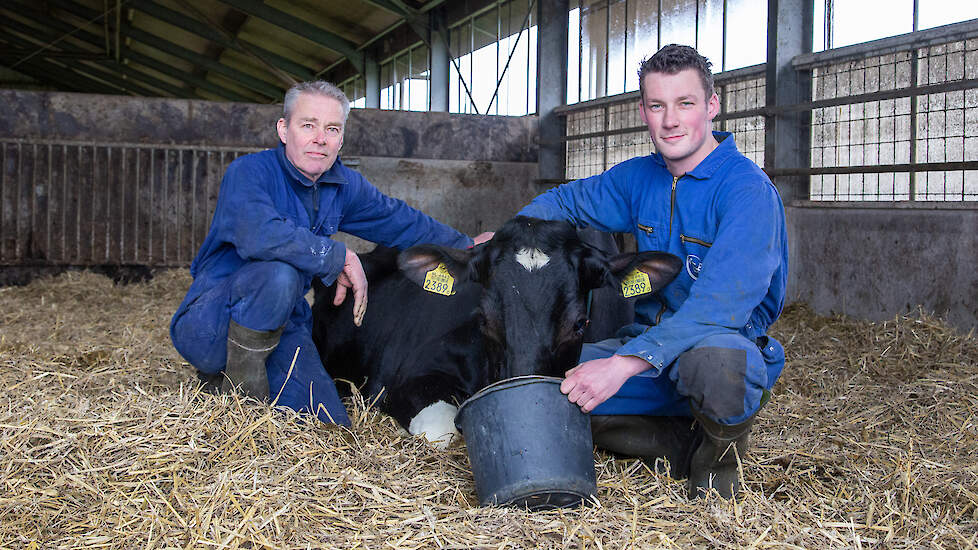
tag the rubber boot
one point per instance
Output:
(716, 461)
(211, 383)
(664, 443)
(247, 351)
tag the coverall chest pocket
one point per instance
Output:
(649, 235)
(696, 249)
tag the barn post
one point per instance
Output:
(551, 85)
(787, 134)
(371, 79)
(440, 61)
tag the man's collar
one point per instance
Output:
(333, 175)
(726, 146)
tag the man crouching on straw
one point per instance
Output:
(245, 318)
(700, 348)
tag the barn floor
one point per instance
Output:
(871, 441)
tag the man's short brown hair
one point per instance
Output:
(672, 59)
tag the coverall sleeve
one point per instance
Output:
(260, 231)
(735, 276)
(601, 201)
(373, 216)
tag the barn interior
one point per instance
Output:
(117, 119)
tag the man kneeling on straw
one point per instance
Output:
(245, 323)
(699, 349)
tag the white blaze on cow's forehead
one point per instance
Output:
(531, 258)
(437, 423)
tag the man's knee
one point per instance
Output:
(264, 293)
(724, 377)
(278, 279)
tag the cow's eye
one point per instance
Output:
(580, 325)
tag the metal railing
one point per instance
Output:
(82, 203)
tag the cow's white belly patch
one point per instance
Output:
(531, 258)
(437, 423)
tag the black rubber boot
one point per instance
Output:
(664, 443)
(247, 351)
(716, 461)
(211, 383)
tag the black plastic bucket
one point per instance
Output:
(528, 445)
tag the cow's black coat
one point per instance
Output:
(416, 348)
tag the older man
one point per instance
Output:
(245, 323)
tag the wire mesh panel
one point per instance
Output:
(586, 156)
(738, 96)
(912, 138)
(947, 122)
(623, 146)
(73, 203)
(865, 133)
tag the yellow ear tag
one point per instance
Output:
(636, 283)
(440, 281)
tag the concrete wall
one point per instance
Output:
(102, 180)
(883, 259)
(471, 172)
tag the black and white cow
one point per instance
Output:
(513, 306)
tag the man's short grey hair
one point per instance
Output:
(320, 87)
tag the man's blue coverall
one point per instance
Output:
(704, 334)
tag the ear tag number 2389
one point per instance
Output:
(636, 283)
(439, 281)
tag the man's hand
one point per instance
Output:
(593, 382)
(482, 237)
(353, 277)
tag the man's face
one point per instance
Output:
(679, 117)
(314, 134)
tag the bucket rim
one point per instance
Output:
(507, 383)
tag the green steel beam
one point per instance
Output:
(205, 30)
(291, 23)
(263, 87)
(63, 80)
(20, 53)
(202, 83)
(397, 8)
(59, 72)
(246, 80)
(46, 21)
(133, 74)
(107, 62)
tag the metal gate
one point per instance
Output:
(78, 203)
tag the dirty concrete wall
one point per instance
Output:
(471, 172)
(97, 180)
(881, 260)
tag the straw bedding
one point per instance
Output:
(106, 442)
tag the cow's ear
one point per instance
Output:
(416, 262)
(592, 267)
(660, 268)
(480, 262)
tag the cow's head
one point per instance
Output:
(536, 276)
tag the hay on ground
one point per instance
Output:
(107, 442)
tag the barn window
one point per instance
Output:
(404, 80)
(493, 61)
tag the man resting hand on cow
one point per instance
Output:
(245, 322)
(699, 348)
